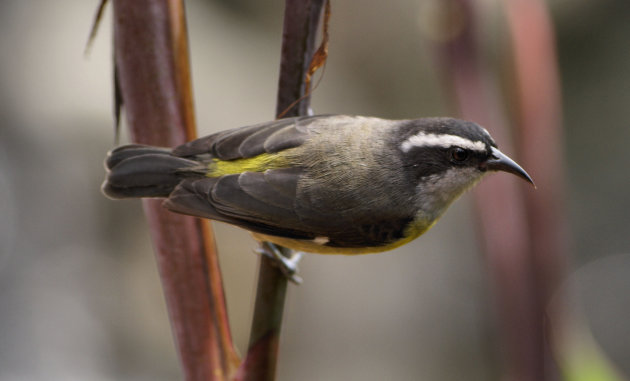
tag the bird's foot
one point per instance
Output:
(288, 265)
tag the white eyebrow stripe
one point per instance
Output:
(442, 140)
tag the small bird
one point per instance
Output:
(331, 184)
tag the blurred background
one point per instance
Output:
(80, 297)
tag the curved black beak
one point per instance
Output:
(500, 162)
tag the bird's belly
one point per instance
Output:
(318, 245)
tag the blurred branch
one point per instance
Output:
(538, 121)
(536, 94)
(523, 231)
(301, 18)
(152, 74)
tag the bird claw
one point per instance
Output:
(288, 265)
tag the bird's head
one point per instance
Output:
(443, 157)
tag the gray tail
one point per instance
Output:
(144, 171)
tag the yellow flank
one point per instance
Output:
(258, 163)
(413, 231)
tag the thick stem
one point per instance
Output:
(152, 67)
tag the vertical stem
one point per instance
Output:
(538, 119)
(510, 215)
(298, 40)
(262, 354)
(538, 101)
(153, 77)
(301, 18)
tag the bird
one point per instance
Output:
(328, 184)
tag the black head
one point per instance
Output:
(431, 146)
(444, 156)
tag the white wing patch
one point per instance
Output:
(321, 240)
(440, 140)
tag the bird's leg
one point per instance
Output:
(288, 265)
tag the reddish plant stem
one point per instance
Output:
(539, 120)
(537, 101)
(522, 230)
(153, 80)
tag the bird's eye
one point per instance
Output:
(458, 154)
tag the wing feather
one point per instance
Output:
(287, 137)
(284, 180)
(247, 200)
(230, 199)
(250, 141)
(257, 185)
(250, 144)
(232, 146)
(191, 197)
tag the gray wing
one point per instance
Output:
(265, 202)
(258, 201)
(250, 141)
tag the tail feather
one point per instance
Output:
(121, 153)
(143, 171)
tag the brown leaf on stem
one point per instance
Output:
(95, 24)
(301, 20)
(318, 61)
(320, 56)
(118, 104)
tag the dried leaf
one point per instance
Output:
(118, 103)
(318, 60)
(95, 24)
(320, 56)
